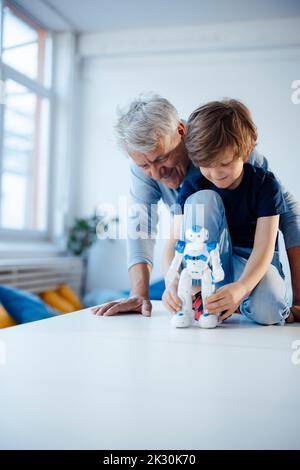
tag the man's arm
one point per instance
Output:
(138, 300)
(141, 234)
(170, 297)
(174, 236)
(289, 225)
(142, 217)
(139, 275)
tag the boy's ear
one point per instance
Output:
(251, 148)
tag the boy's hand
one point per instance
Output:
(134, 303)
(226, 298)
(170, 297)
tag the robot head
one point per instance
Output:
(196, 233)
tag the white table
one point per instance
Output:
(130, 382)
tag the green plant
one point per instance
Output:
(83, 233)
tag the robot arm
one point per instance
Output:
(217, 270)
(176, 262)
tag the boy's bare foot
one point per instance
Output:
(290, 318)
(295, 309)
(294, 315)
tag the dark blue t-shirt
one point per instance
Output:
(258, 195)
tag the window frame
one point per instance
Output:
(6, 73)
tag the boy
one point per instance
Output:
(241, 205)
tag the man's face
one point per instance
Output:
(227, 173)
(168, 163)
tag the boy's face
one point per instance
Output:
(227, 173)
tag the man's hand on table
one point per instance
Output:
(134, 303)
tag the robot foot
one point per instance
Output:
(208, 321)
(181, 320)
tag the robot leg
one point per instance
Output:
(207, 320)
(184, 317)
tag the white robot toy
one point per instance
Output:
(202, 263)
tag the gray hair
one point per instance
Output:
(145, 122)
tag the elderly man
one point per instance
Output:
(152, 134)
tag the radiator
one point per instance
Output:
(38, 275)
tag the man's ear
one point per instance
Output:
(181, 128)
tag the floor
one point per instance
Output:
(130, 382)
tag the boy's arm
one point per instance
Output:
(229, 297)
(289, 225)
(262, 253)
(289, 222)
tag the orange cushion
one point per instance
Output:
(68, 294)
(56, 301)
(5, 319)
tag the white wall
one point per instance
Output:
(254, 62)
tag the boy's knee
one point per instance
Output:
(204, 208)
(205, 196)
(267, 304)
(265, 315)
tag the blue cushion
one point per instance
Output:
(23, 306)
(156, 290)
(100, 296)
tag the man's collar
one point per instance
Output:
(193, 173)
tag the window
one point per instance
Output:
(24, 126)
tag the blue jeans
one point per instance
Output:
(268, 302)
